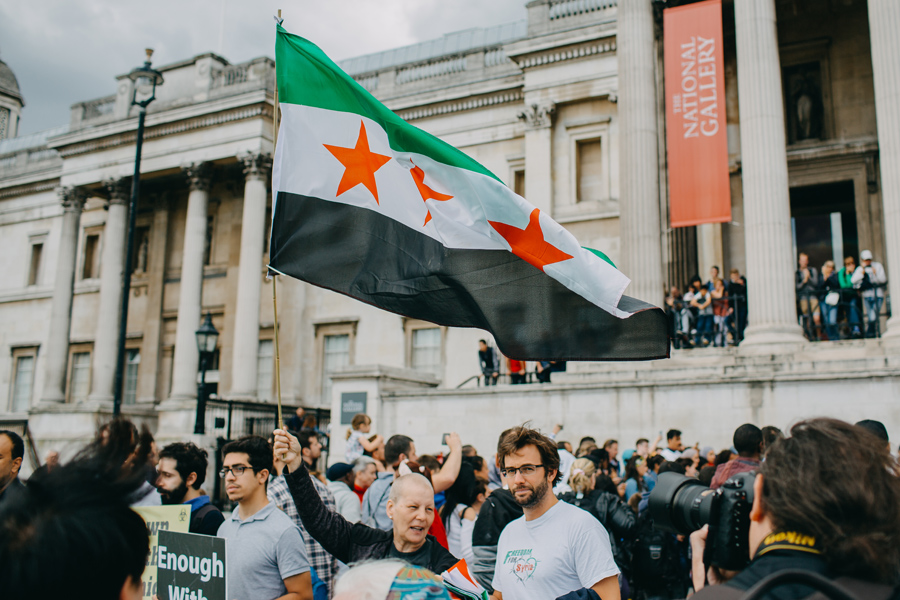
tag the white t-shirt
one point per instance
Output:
(563, 550)
(670, 455)
(354, 448)
(459, 534)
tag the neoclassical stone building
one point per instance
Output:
(567, 107)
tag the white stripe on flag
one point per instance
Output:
(304, 166)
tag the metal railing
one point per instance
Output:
(690, 329)
(230, 420)
(510, 378)
(846, 313)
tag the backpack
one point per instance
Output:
(655, 558)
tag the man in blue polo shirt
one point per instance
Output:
(181, 472)
(266, 553)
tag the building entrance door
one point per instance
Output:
(823, 222)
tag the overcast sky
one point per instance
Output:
(67, 51)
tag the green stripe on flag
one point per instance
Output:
(306, 76)
(601, 255)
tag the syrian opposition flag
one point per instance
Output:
(369, 206)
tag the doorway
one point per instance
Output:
(823, 222)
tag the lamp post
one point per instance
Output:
(145, 81)
(207, 338)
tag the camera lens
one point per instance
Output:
(680, 504)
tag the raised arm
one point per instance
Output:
(328, 528)
(450, 470)
(373, 445)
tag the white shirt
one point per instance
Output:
(563, 550)
(459, 535)
(876, 276)
(670, 455)
(566, 460)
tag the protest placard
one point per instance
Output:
(160, 518)
(190, 566)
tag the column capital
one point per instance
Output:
(199, 175)
(538, 115)
(256, 166)
(117, 190)
(72, 198)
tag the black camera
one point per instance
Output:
(682, 505)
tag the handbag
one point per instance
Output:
(832, 298)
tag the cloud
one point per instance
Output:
(64, 52)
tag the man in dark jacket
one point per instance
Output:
(12, 449)
(410, 507)
(498, 510)
(181, 473)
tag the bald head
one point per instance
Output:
(413, 482)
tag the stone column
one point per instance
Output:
(156, 274)
(112, 268)
(771, 298)
(884, 21)
(187, 359)
(57, 349)
(246, 319)
(639, 219)
(538, 117)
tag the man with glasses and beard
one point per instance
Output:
(266, 554)
(555, 548)
(182, 470)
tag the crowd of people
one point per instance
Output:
(713, 313)
(828, 299)
(832, 304)
(518, 371)
(537, 517)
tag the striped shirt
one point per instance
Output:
(324, 564)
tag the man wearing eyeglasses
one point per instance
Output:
(266, 554)
(555, 548)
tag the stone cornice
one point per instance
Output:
(31, 188)
(444, 108)
(556, 54)
(129, 137)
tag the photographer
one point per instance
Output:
(825, 501)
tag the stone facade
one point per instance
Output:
(558, 108)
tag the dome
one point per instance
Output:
(9, 86)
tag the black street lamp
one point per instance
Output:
(145, 81)
(207, 338)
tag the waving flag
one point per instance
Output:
(374, 208)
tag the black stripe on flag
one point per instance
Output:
(373, 258)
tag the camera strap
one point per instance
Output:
(788, 540)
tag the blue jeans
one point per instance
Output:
(873, 309)
(830, 314)
(704, 329)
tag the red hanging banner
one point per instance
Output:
(696, 138)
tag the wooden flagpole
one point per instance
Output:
(275, 123)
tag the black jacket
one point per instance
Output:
(350, 543)
(498, 511)
(616, 517)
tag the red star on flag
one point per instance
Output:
(427, 193)
(529, 243)
(359, 163)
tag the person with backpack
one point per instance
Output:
(826, 503)
(597, 495)
(869, 278)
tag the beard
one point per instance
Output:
(176, 496)
(537, 494)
